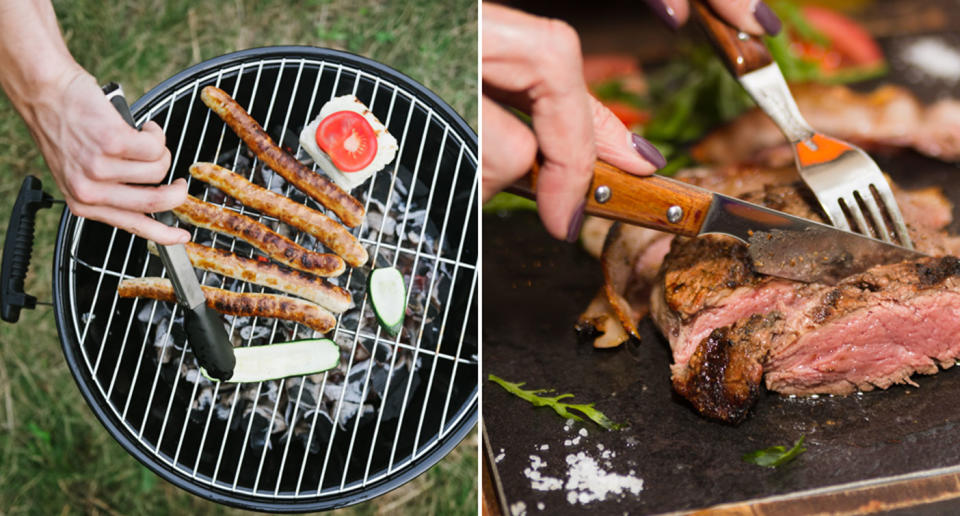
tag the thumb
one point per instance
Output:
(621, 148)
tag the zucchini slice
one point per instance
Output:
(388, 295)
(276, 361)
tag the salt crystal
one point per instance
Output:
(541, 506)
(583, 432)
(537, 480)
(518, 509)
(544, 447)
(499, 456)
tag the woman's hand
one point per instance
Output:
(535, 64)
(99, 162)
(751, 16)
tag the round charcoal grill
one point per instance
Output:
(395, 406)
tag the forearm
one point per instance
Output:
(33, 55)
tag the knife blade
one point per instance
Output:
(205, 331)
(779, 244)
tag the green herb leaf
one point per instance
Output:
(562, 409)
(775, 455)
(505, 201)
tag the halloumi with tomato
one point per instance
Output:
(348, 142)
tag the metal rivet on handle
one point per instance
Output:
(743, 36)
(674, 214)
(602, 194)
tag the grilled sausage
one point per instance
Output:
(349, 209)
(249, 304)
(270, 275)
(280, 248)
(333, 235)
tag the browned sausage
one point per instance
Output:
(269, 275)
(280, 248)
(249, 304)
(309, 182)
(333, 235)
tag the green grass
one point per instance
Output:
(55, 457)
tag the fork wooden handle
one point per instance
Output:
(741, 52)
(640, 200)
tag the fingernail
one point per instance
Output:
(648, 151)
(576, 223)
(665, 12)
(767, 18)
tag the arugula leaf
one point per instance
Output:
(562, 409)
(506, 201)
(775, 455)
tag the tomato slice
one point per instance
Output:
(848, 38)
(348, 139)
(629, 115)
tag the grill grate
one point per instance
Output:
(251, 443)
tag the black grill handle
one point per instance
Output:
(17, 248)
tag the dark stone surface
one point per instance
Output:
(535, 287)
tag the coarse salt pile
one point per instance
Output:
(587, 482)
(537, 480)
(933, 57)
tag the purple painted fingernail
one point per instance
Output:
(576, 223)
(648, 151)
(767, 18)
(665, 12)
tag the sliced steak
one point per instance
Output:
(730, 328)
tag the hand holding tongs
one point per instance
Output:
(845, 180)
(205, 332)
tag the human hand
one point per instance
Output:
(104, 168)
(751, 16)
(535, 64)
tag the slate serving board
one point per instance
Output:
(534, 289)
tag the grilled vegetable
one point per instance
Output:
(388, 295)
(276, 361)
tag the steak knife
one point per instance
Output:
(205, 331)
(779, 244)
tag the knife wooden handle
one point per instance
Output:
(641, 200)
(741, 52)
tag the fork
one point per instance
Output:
(848, 184)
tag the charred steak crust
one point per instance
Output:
(697, 271)
(723, 376)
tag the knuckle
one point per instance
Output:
(84, 192)
(79, 209)
(603, 119)
(95, 166)
(563, 38)
(111, 143)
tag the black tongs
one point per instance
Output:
(204, 328)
